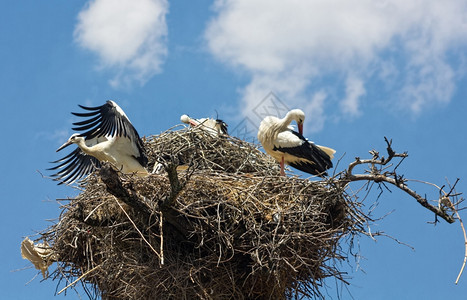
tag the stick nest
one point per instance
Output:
(226, 226)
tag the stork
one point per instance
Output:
(108, 136)
(290, 147)
(215, 127)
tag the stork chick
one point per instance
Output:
(215, 127)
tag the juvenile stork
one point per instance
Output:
(290, 147)
(108, 136)
(215, 127)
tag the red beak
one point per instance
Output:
(300, 128)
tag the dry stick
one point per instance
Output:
(446, 196)
(402, 186)
(465, 241)
(78, 279)
(161, 218)
(142, 236)
(378, 177)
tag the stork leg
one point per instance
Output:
(282, 167)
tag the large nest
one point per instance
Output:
(225, 226)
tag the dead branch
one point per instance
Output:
(379, 174)
(175, 187)
(115, 187)
(129, 196)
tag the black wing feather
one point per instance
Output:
(107, 121)
(223, 126)
(74, 166)
(95, 119)
(317, 160)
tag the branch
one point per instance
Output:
(379, 174)
(115, 186)
(126, 194)
(175, 187)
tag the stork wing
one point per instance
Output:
(110, 120)
(222, 126)
(74, 166)
(315, 162)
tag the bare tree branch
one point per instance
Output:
(379, 174)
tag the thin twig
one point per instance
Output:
(79, 278)
(379, 176)
(136, 227)
(161, 229)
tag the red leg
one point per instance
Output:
(282, 167)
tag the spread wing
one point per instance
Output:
(74, 166)
(110, 120)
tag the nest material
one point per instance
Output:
(232, 228)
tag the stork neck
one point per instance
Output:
(82, 144)
(285, 122)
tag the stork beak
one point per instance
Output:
(300, 128)
(186, 119)
(68, 143)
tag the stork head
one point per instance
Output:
(299, 116)
(75, 138)
(185, 119)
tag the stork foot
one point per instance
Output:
(282, 167)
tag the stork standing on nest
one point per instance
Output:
(215, 127)
(108, 136)
(290, 147)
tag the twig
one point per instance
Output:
(423, 201)
(142, 236)
(378, 176)
(78, 279)
(175, 186)
(161, 229)
(451, 205)
(380, 233)
(465, 243)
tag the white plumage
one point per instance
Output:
(109, 136)
(290, 147)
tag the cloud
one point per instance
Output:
(58, 136)
(128, 36)
(289, 85)
(354, 90)
(294, 47)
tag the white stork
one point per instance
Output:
(215, 127)
(108, 136)
(290, 147)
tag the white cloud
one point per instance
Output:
(129, 37)
(354, 90)
(288, 46)
(57, 137)
(314, 110)
(289, 85)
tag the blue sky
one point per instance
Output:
(361, 70)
